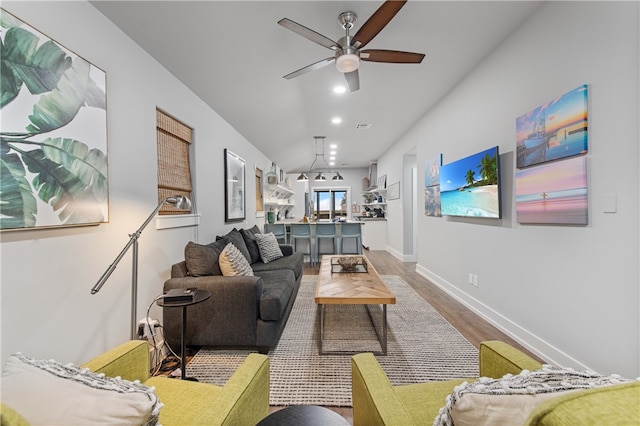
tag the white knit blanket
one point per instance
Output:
(548, 379)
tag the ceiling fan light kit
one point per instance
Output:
(348, 50)
(347, 62)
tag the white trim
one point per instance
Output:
(535, 344)
(401, 257)
(177, 221)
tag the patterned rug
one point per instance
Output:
(422, 346)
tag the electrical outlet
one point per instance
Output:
(470, 278)
(148, 326)
(475, 280)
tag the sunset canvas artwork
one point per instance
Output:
(555, 130)
(553, 193)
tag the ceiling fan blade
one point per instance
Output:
(309, 34)
(353, 80)
(377, 22)
(391, 56)
(312, 67)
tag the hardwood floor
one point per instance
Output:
(470, 325)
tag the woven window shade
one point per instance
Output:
(174, 171)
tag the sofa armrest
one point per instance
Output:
(244, 399)
(228, 317)
(129, 361)
(374, 399)
(498, 358)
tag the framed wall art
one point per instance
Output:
(555, 130)
(553, 193)
(432, 186)
(470, 187)
(234, 187)
(54, 133)
(393, 191)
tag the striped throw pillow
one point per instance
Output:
(233, 263)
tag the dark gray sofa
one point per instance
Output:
(243, 311)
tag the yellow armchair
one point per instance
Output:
(377, 402)
(244, 399)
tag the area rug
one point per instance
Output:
(422, 346)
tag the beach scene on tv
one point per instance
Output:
(470, 186)
(555, 130)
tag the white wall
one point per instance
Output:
(47, 308)
(570, 293)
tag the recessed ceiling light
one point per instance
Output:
(339, 89)
(333, 146)
(332, 153)
(332, 158)
(336, 120)
(332, 163)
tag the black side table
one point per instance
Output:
(307, 415)
(201, 296)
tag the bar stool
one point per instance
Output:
(278, 229)
(325, 231)
(301, 231)
(351, 230)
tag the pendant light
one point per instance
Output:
(319, 153)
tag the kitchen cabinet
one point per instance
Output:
(374, 234)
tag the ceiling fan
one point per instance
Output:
(348, 50)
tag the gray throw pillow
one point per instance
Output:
(203, 259)
(252, 245)
(234, 236)
(269, 247)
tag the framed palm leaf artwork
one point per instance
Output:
(53, 152)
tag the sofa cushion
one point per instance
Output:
(512, 398)
(233, 263)
(47, 392)
(294, 263)
(201, 259)
(234, 236)
(277, 289)
(269, 247)
(252, 245)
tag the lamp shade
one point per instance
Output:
(181, 202)
(320, 177)
(302, 178)
(338, 176)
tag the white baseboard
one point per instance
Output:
(535, 344)
(401, 257)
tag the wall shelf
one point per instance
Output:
(278, 195)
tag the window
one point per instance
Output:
(174, 169)
(330, 203)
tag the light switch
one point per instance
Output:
(610, 203)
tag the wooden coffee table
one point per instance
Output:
(356, 288)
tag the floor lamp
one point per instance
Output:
(181, 202)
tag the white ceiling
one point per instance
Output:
(233, 55)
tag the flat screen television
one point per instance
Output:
(470, 187)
